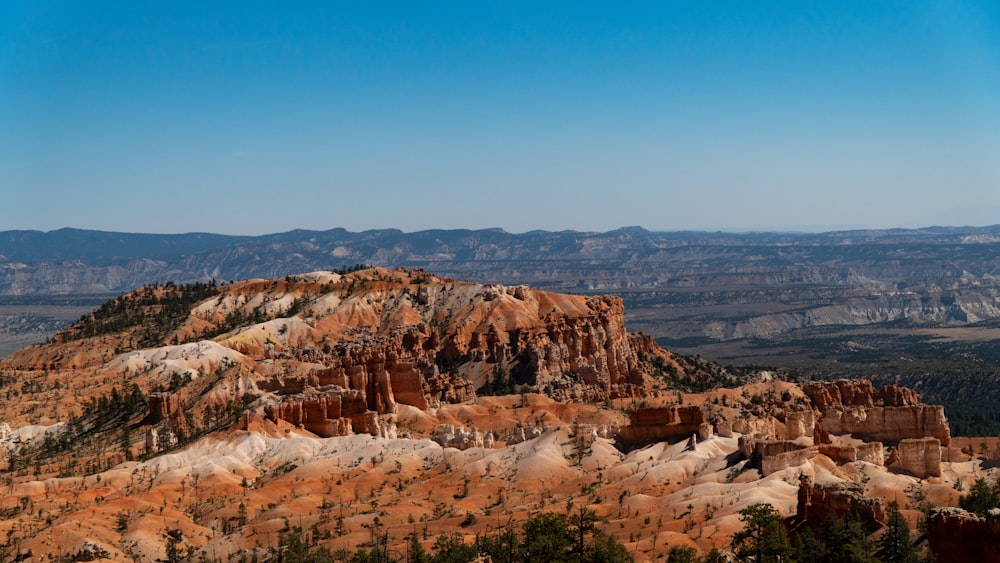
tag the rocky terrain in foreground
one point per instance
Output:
(373, 407)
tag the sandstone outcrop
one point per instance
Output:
(799, 424)
(672, 424)
(157, 441)
(782, 461)
(161, 406)
(817, 503)
(889, 414)
(920, 457)
(957, 536)
(888, 424)
(722, 427)
(523, 434)
(397, 336)
(333, 352)
(407, 337)
(164, 409)
(774, 455)
(765, 426)
(871, 452)
(850, 422)
(452, 436)
(330, 412)
(858, 393)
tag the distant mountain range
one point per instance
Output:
(676, 284)
(83, 261)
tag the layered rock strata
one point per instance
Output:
(164, 409)
(331, 412)
(848, 423)
(858, 393)
(799, 424)
(920, 457)
(784, 460)
(161, 406)
(889, 414)
(372, 338)
(871, 452)
(405, 336)
(888, 424)
(772, 456)
(670, 424)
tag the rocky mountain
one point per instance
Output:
(377, 408)
(433, 340)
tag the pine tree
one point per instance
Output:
(682, 554)
(894, 546)
(981, 498)
(762, 539)
(604, 548)
(416, 552)
(847, 541)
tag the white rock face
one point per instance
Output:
(451, 436)
(193, 359)
(522, 434)
(388, 431)
(13, 439)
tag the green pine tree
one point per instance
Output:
(762, 539)
(981, 498)
(417, 553)
(847, 541)
(894, 546)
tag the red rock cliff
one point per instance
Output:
(817, 503)
(889, 414)
(671, 423)
(408, 337)
(957, 536)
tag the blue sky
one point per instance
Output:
(249, 118)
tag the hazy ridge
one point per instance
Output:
(678, 284)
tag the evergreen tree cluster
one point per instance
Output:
(155, 310)
(547, 537)
(555, 538)
(344, 270)
(692, 374)
(763, 539)
(117, 408)
(499, 383)
(983, 496)
(104, 413)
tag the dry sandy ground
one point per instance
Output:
(232, 492)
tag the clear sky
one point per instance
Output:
(249, 118)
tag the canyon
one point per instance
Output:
(217, 417)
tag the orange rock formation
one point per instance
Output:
(327, 401)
